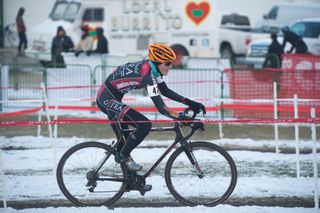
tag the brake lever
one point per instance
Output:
(187, 110)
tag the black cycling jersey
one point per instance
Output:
(135, 75)
(296, 41)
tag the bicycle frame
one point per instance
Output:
(180, 138)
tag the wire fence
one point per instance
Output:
(240, 92)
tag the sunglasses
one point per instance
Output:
(167, 64)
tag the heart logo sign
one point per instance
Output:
(198, 12)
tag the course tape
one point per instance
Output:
(207, 121)
(140, 109)
(22, 112)
(257, 107)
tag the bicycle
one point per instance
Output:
(11, 35)
(197, 173)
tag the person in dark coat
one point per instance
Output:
(275, 50)
(295, 40)
(102, 45)
(21, 29)
(60, 43)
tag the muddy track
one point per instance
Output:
(169, 202)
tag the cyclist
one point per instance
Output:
(136, 75)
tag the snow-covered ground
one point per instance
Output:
(29, 161)
(219, 209)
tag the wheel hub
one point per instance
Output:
(92, 175)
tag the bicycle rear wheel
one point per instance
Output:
(81, 184)
(213, 186)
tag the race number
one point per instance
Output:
(153, 90)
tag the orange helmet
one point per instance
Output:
(161, 53)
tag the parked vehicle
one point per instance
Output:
(190, 28)
(236, 33)
(308, 29)
(285, 13)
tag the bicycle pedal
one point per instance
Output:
(145, 189)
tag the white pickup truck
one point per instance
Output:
(236, 34)
(308, 29)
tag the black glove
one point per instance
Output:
(195, 106)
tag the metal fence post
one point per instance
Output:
(3, 181)
(1, 25)
(93, 85)
(4, 82)
(315, 163)
(45, 77)
(221, 95)
(275, 114)
(296, 131)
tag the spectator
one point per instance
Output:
(60, 43)
(295, 40)
(102, 46)
(275, 50)
(21, 29)
(86, 42)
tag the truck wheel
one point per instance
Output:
(180, 52)
(226, 51)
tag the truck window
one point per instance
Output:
(93, 15)
(273, 13)
(312, 30)
(63, 10)
(235, 19)
(58, 10)
(242, 20)
(72, 11)
(307, 29)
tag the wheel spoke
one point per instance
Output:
(217, 182)
(81, 183)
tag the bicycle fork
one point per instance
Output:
(188, 150)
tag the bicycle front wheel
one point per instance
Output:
(215, 182)
(86, 179)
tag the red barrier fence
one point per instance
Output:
(21, 112)
(300, 62)
(260, 85)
